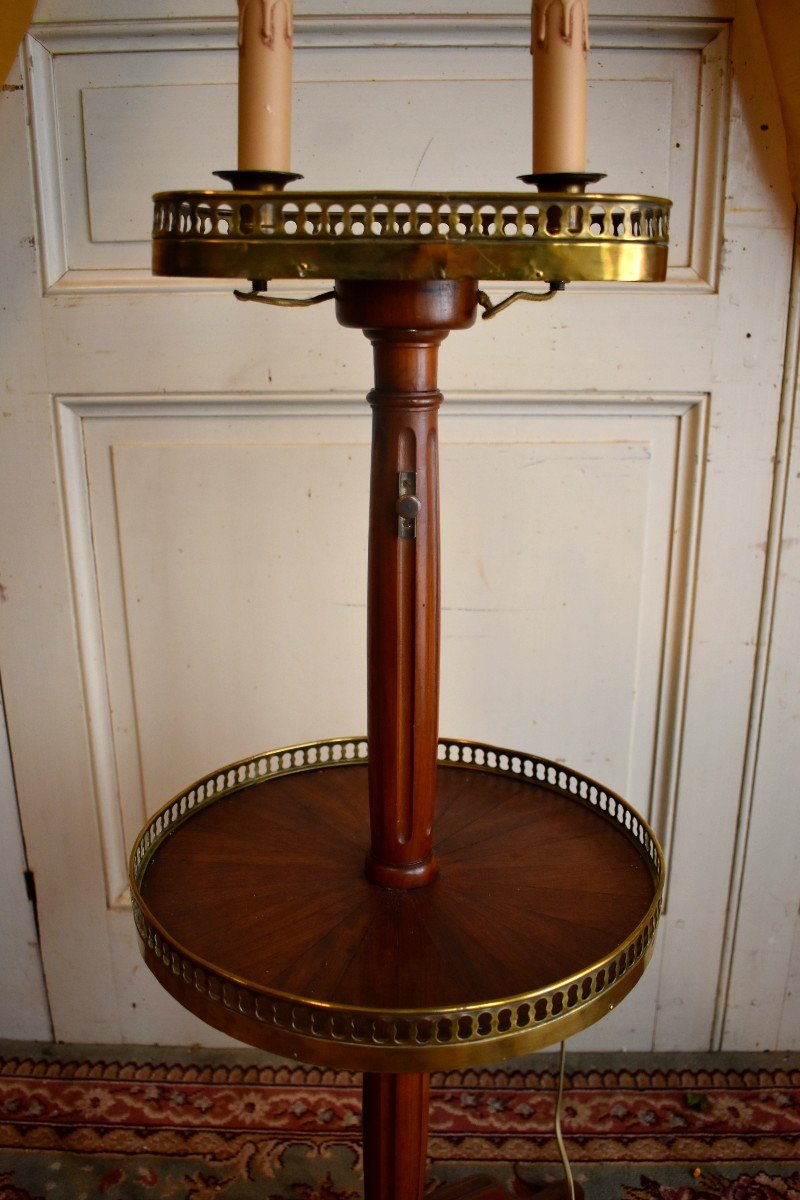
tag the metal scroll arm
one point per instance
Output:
(260, 287)
(491, 310)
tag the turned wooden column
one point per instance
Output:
(395, 1123)
(406, 323)
(403, 606)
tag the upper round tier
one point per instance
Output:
(411, 235)
(254, 912)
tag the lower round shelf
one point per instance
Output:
(253, 910)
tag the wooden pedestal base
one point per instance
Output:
(395, 1138)
(481, 1187)
(395, 1123)
(477, 1187)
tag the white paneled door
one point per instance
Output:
(185, 478)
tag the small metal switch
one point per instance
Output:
(407, 505)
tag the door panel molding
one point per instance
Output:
(654, 747)
(369, 31)
(762, 929)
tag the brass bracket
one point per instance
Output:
(260, 286)
(491, 310)
(407, 505)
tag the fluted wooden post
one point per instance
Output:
(406, 323)
(395, 1135)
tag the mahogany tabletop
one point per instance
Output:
(254, 911)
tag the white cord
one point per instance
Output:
(559, 1139)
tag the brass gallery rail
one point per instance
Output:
(359, 235)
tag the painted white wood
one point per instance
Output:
(745, 389)
(710, 779)
(78, 11)
(761, 1006)
(790, 1017)
(337, 29)
(601, 580)
(41, 681)
(23, 1003)
(24, 1013)
(150, 672)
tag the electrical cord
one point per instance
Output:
(562, 1150)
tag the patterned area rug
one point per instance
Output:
(160, 1125)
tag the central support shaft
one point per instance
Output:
(403, 610)
(406, 323)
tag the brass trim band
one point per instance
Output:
(411, 235)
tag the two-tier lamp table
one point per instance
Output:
(401, 903)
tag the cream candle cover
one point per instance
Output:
(265, 85)
(559, 44)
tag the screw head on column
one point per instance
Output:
(408, 507)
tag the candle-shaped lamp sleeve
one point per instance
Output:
(265, 84)
(559, 44)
